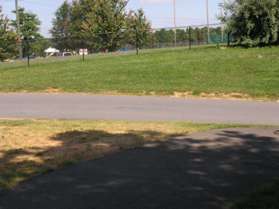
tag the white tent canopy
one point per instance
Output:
(51, 50)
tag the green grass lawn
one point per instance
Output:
(254, 72)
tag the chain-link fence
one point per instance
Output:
(188, 36)
(194, 35)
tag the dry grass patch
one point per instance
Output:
(32, 147)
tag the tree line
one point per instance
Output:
(107, 25)
(104, 25)
(195, 35)
(99, 25)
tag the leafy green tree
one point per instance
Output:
(61, 29)
(29, 29)
(252, 22)
(164, 37)
(138, 29)
(104, 23)
(181, 36)
(79, 11)
(81, 34)
(7, 39)
(99, 25)
(29, 24)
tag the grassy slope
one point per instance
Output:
(31, 147)
(248, 71)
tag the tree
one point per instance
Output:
(7, 39)
(98, 25)
(29, 29)
(61, 29)
(103, 25)
(39, 45)
(81, 37)
(181, 36)
(164, 36)
(252, 22)
(138, 29)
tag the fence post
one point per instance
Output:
(27, 44)
(83, 47)
(229, 41)
(190, 37)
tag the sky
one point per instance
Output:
(158, 12)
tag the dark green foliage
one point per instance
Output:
(29, 24)
(104, 24)
(165, 37)
(7, 39)
(99, 25)
(138, 29)
(197, 35)
(32, 41)
(61, 31)
(252, 22)
(29, 30)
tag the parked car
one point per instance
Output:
(67, 54)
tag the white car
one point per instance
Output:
(67, 54)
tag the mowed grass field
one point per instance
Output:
(200, 71)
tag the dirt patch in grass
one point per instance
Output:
(32, 147)
(53, 90)
(232, 96)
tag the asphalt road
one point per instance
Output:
(200, 171)
(79, 106)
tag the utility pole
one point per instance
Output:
(174, 21)
(18, 30)
(207, 22)
(221, 6)
(222, 27)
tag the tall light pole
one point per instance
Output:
(174, 21)
(18, 30)
(221, 6)
(207, 22)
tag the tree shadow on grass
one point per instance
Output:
(66, 148)
(201, 171)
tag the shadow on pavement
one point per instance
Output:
(201, 171)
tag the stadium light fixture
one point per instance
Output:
(207, 22)
(174, 21)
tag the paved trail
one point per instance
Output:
(200, 171)
(77, 106)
